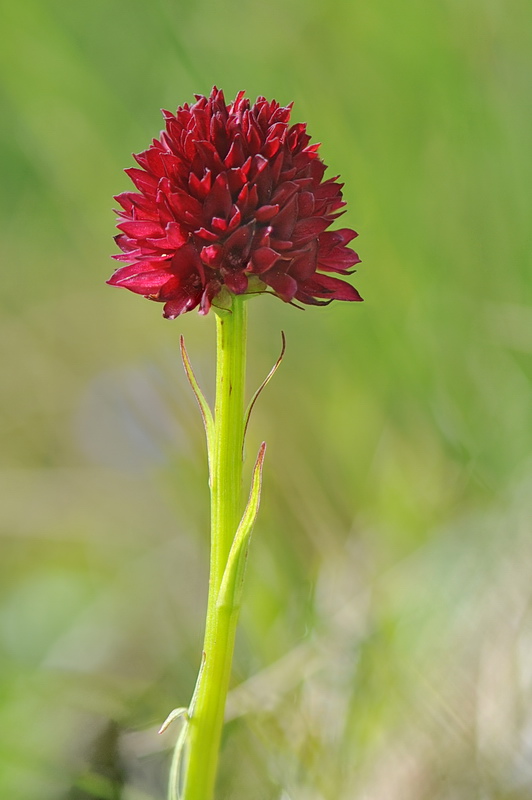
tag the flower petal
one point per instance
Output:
(308, 229)
(142, 278)
(141, 228)
(235, 280)
(178, 305)
(143, 181)
(283, 285)
(331, 288)
(304, 265)
(330, 239)
(263, 259)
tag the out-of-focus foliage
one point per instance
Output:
(385, 649)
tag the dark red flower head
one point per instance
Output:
(231, 198)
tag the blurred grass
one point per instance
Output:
(386, 639)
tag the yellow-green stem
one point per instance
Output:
(207, 714)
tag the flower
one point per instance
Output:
(231, 198)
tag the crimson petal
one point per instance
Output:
(263, 259)
(333, 288)
(179, 304)
(141, 228)
(282, 284)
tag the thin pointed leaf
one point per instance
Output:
(175, 714)
(174, 785)
(186, 714)
(264, 383)
(206, 413)
(230, 593)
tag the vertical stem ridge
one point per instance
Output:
(207, 716)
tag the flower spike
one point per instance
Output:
(231, 199)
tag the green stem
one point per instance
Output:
(207, 711)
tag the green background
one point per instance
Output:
(385, 648)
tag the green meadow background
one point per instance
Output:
(385, 650)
